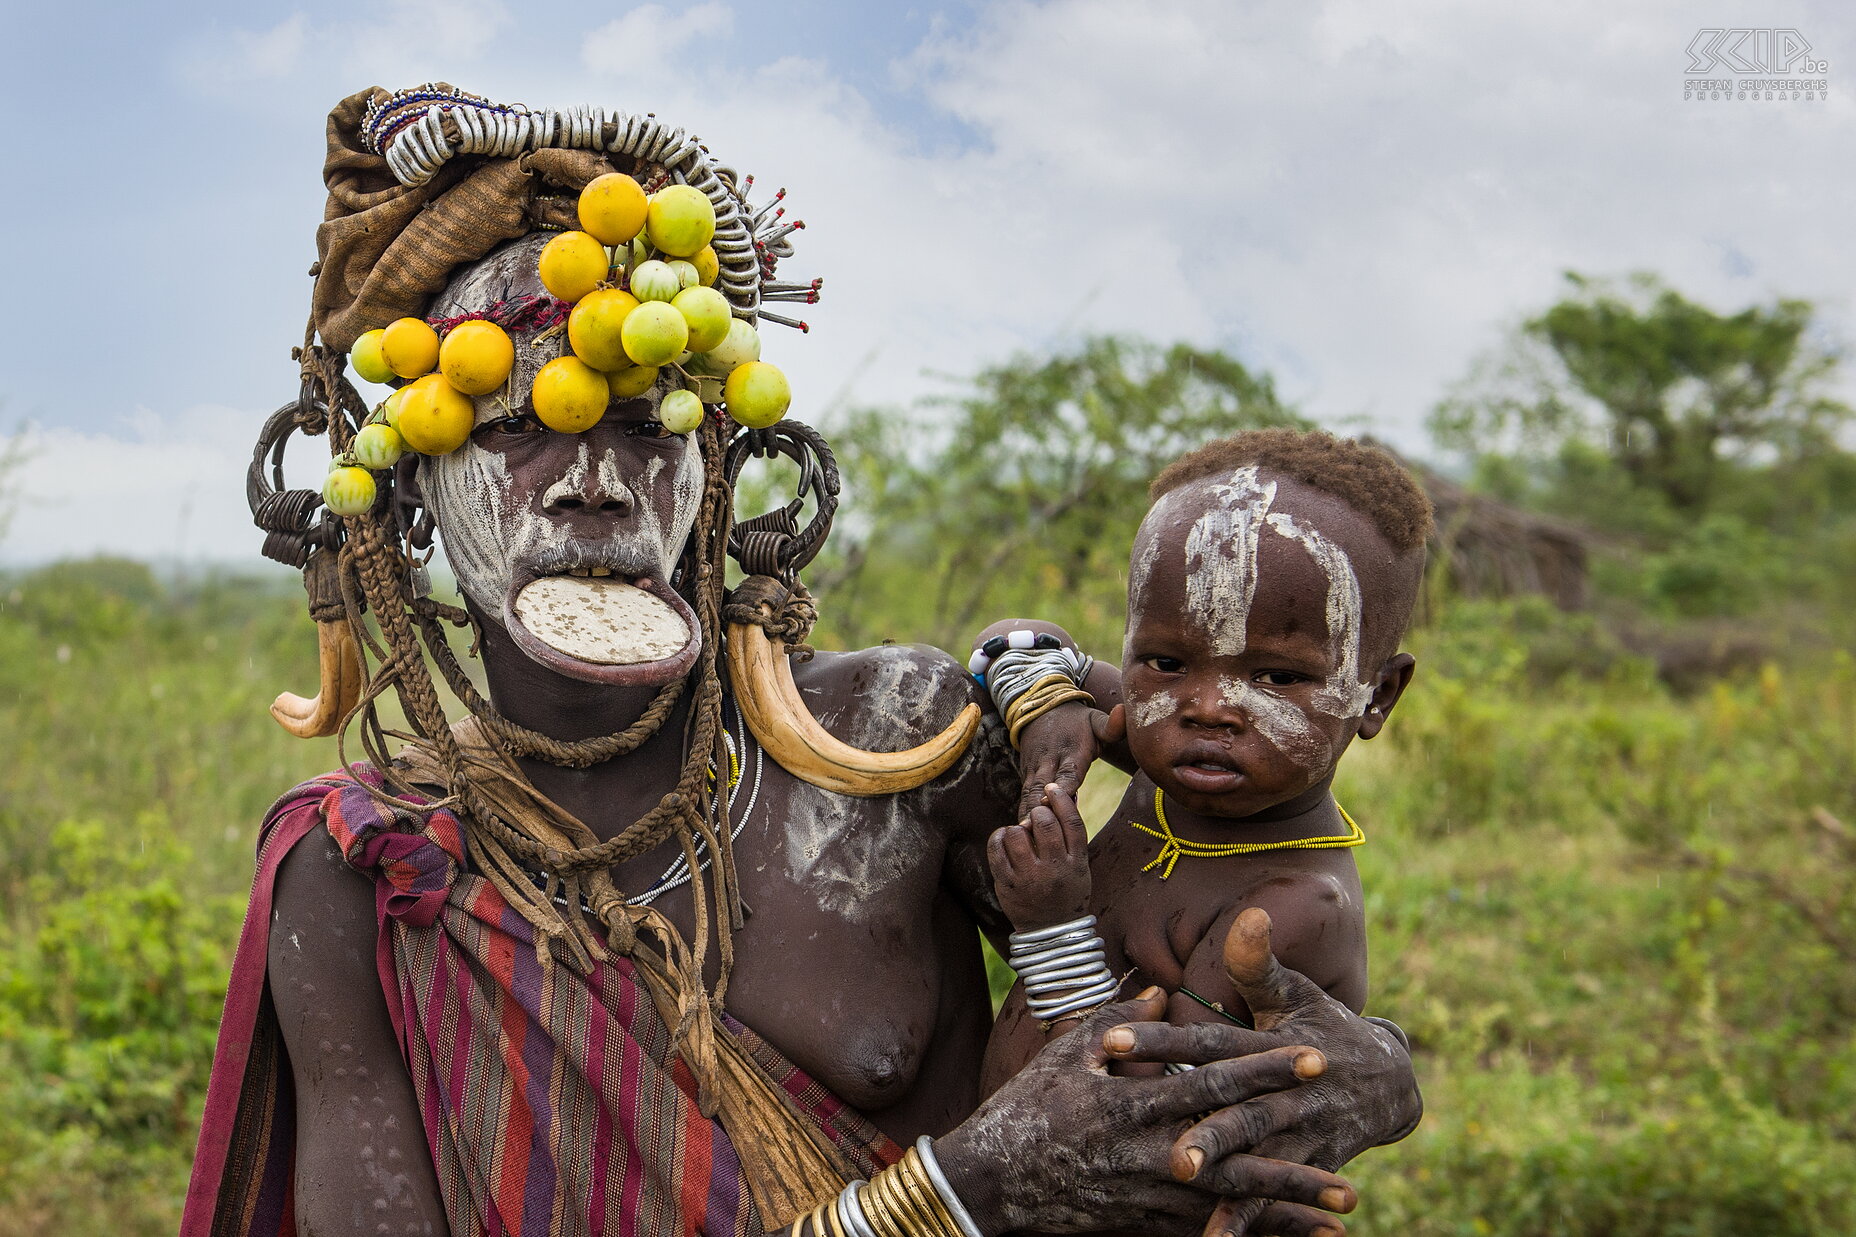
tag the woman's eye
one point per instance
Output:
(523, 423)
(1278, 678)
(649, 429)
(1164, 665)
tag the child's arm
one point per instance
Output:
(1040, 871)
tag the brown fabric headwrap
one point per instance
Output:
(385, 248)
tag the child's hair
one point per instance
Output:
(1365, 477)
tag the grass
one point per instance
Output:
(1608, 915)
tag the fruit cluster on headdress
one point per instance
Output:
(637, 283)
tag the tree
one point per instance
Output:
(1670, 390)
(1023, 492)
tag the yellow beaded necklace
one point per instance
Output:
(1173, 849)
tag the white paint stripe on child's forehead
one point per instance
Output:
(1345, 694)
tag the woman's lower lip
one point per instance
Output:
(1206, 780)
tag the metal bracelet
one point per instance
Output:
(1038, 936)
(1052, 1008)
(924, 1147)
(851, 1211)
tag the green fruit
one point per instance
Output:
(367, 359)
(687, 274)
(654, 333)
(706, 311)
(708, 390)
(378, 446)
(348, 491)
(741, 346)
(390, 407)
(681, 412)
(757, 394)
(655, 281)
(680, 220)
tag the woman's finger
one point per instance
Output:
(1238, 1129)
(1196, 1043)
(1220, 1083)
(1255, 1176)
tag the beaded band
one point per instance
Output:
(1064, 969)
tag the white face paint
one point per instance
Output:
(1345, 694)
(1287, 728)
(1221, 559)
(487, 527)
(1154, 709)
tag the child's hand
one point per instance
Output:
(1058, 747)
(1040, 867)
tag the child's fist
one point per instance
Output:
(1040, 867)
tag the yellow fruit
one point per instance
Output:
(633, 382)
(348, 491)
(757, 394)
(476, 357)
(572, 265)
(367, 360)
(569, 395)
(612, 208)
(377, 446)
(409, 347)
(680, 220)
(706, 312)
(593, 328)
(707, 266)
(654, 333)
(435, 417)
(680, 412)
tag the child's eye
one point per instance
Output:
(649, 429)
(1164, 665)
(1278, 678)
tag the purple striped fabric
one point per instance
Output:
(550, 1101)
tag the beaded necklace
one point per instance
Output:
(1173, 849)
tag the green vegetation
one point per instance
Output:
(1615, 915)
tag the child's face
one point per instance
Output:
(1241, 672)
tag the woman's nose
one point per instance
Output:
(590, 485)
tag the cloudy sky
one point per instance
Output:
(1356, 196)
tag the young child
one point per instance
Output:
(1270, 585)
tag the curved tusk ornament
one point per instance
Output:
(343, 677)
(782, 724)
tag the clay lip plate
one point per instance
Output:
(585, 627)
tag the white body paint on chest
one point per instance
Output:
(849, 852)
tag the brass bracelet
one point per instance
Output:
(832, 1218)
(923, 1194)
(1041, 697)
(1024, 717)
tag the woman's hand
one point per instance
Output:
(1065, 1147)
(1366, 1096)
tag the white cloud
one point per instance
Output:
(160, 489)
(650, 39)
